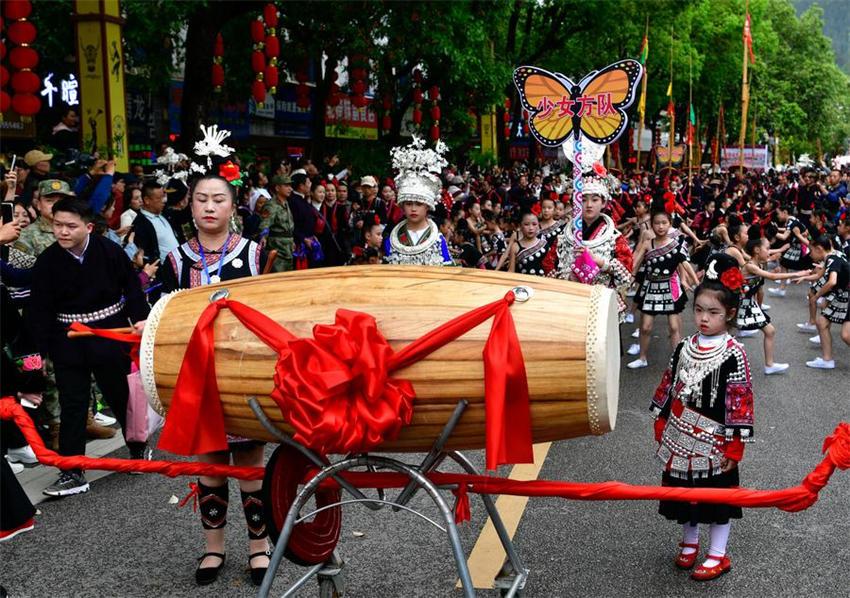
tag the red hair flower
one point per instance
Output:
(230, 173)
(535, 209)
(732, 279)
(599, 170)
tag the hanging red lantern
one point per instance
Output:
(358, 87)
(258, 31)
(258, 91)
(21, 32)
(272, 47)
(17, 9)
(435, 132)
(333, 100)
(270, 15)
(386, 122)
(433, 93)
(217, 73)
(507, 132)
(435, 113)
(507, 103)
(417, 75)
(271, 79)
(23, 57)
(5, 101)
(25, 82)
(4, 76)
(217, 77)
(26, 104)
(417, 96)
(359, 101)
(525, 128)
(417, 116)
(506, 117)
(302, 101)
(258, 61)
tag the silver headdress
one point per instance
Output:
(595, 178)
(212, 144)
(418, 167)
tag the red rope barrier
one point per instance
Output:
(797, 498)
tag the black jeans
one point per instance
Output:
(74, 385)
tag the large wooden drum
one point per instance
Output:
(568, 333)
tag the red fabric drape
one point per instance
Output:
(335, 389)
(129, 338)
(797, 498)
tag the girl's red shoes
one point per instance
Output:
(703, 573)
(686, 561)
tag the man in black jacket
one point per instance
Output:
(89, 279)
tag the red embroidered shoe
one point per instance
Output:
(703, 573)
(686, 561)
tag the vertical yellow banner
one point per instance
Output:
(100, 62)
(488, 132)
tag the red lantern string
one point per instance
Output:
(433, 95)
(272, 47)
(258, 61)
(217, 74)
(302, 90)
(24, 82)
(358, 76)
(417, 97)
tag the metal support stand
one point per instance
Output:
(511, 579)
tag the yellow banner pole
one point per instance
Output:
(100, 65)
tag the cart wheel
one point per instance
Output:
(327, 589)
(311, 542)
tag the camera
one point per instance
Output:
(79, 161)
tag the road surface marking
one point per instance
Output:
(487, 555)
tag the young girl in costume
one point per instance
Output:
(662, 291)
(526, 255)
(416, 239)
(836, 290)
(751, 316)
(704, 415)
(796, 256)
(549, 226)
(215, 255)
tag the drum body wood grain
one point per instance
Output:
(568, 333)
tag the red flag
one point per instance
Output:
(671, 110)
(748, 39)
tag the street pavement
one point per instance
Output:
(128, 537)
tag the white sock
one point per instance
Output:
(690, 536)
(719, 535)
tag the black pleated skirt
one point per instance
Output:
(693, 513)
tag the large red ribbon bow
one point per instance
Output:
(335, 389)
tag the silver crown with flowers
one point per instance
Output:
(417, 180)
(595, 178)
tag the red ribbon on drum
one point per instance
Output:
(335, 389)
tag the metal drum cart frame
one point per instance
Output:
(330, 573)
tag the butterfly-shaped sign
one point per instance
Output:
(665, 155)
(595, 108)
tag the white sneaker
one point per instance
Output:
(765, 307)
(103, 419)
(22, 455)
(806, 327)
(815, 340)
(16, 467)
(746, 333)
(777, 292)
(630, 318)
(633, 349)
(637, 364)
(775, 368)
(636, 333)
(821, 364)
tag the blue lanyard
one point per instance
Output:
(220, 262)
